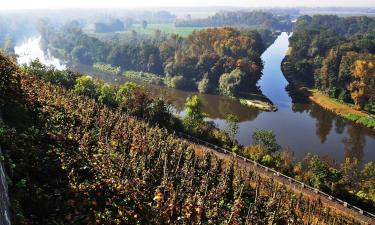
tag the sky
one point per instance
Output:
(36, 4)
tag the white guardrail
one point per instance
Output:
(275, 173)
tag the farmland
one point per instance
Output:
(165, 28)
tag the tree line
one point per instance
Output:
(255, 19)
(337, 56)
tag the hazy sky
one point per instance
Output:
(27, 4)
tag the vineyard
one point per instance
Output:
(71, 160)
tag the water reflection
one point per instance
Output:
(354, 144)
(324, 122)
(216, 107)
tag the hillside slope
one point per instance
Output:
(72, 160)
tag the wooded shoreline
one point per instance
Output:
(340, 109)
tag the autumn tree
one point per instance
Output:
(85, 85)
(367, 183)
(194, 115)
(363, 82)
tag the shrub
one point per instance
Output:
(85, 85)
(266, 138)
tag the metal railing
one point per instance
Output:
(276, 173)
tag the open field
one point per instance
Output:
(166, 28)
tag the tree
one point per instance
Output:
(144, 24)
(9, 83)
(157, 34)
(179, 82)
(255, 152)
(160, 112)
(85, 85)
(320, 175)
(134, 34)
(194, 117)
(132, 99)
(107, 94)
(80, 54)
(350, 171)
(367, 183)
(266, 138)
(229, 83)
(8, 45)
(363, 81)
(231, 126)
(66, 78)
(154, 64)
(204, 85)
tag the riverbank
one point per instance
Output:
(341, 109)
(255, 100)
(258, 101)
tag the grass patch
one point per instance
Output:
(107, 68)
(167, 28)
(368, 121)
(144, 77)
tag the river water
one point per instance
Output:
(302, 128)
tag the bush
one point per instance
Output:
(194, 117)
(85, 85)
(230, 83)
(255, 152)
(365, 121)
(178, 82)
(204, 85)
(107, 95)
(266, 138)
(65, 78)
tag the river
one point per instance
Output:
(301, 128)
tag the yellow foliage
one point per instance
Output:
(255, 152)
(362, 85)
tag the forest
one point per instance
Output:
(337, 56)
(255, 19)
(72, 156)
(219, 60)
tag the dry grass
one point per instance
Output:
(343, 110)
(334, 106)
